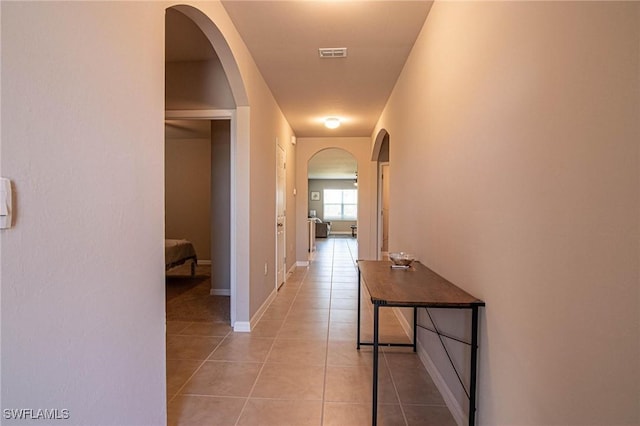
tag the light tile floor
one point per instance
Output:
(299, 366)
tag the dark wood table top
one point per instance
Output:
(415, 286)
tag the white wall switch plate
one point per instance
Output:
(6, 207)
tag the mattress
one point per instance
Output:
(177, 252)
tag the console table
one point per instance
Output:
(414, 287)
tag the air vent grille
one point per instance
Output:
(333, 52)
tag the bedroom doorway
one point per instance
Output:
(197, 209)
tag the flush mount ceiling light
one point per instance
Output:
(332, 122)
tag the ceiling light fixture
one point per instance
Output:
(332, 122)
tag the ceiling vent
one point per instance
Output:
(333, 52)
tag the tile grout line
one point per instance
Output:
(395, 388)
(384, 356)
(196, 370)
(326, 353)
(246, 402)
(334, 263)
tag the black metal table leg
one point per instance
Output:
(474, 367)
(374, 401)
(359, 302)
(415, 328)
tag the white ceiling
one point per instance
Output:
(284, 37)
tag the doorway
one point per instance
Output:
(381, 157)
(383, 208)
(197, 203)
(332, 179)
(281, 218)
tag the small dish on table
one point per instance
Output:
(401, 260)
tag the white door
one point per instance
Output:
(281, 183)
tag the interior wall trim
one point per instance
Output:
(198, 114)
(260, 312)
(242, 327)
(291, 270)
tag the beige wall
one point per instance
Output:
(514, 151)
(197, 85)
(361, 150)
(220, 206)
(263, 190)
(82, 312)
(188, 193)
(82, 272)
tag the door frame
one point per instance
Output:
(379, 218)
(284, 224)
(222, 114)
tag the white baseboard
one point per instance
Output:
(263, 308)
(204, 262)
(292, 269)
(242, 327)
(220, 292)
(246, 327)
(302, 263)
(457, 411)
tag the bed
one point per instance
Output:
(179, 252)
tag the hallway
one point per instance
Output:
(299, 366)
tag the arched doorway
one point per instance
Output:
(224, 106)
(380, 155)
(332, 205)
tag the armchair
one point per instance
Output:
(323, 229)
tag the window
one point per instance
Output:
(340, 204)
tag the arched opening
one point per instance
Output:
(206, 162)
(197, 155)
(222, 50)
(206, 106)
(380, 155)
(332, 205)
